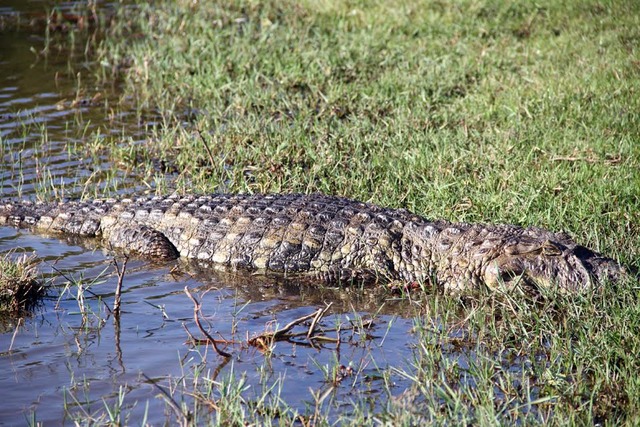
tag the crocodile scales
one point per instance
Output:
(330, 238)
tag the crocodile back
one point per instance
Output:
(335, 238)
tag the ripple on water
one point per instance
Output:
(46, 118)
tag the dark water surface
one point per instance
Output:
(72, 358)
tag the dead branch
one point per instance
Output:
(196, 318)
(316, 319)
(261, 340)
(204, 341)
(120, 272)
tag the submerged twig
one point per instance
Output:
(116, 334)
(196, 318)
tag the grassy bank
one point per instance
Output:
(472, 110)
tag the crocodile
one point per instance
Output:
(328, 238)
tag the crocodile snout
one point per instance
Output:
(551, 263)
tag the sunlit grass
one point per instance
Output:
(478, 111)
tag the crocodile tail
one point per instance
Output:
(71, 217)
(89, 219)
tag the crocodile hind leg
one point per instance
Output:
(144, 240)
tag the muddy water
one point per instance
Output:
(72, 357)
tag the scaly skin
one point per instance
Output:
(331, 238)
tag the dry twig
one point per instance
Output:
(120, 272)
(196, 318)
(316, 319)
(262, 341)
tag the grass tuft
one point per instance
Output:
(20, 289)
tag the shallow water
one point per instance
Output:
(73, 350)
(59, 353)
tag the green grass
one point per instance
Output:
(563, 360)
(515, 112)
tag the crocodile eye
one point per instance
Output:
(550, 248)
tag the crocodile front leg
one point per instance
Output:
(143, 240)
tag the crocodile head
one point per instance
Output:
(549, 263)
